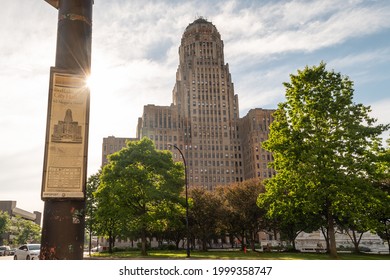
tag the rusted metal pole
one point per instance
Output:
(64, 218)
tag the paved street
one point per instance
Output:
(6, 258)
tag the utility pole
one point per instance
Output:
(66, 146)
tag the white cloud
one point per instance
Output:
(261, 88)
(131, 30)
(369, 57)
(380, 111)
(361, 65)
(296, 26)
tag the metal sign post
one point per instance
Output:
(66, 147)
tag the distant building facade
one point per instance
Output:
(254, 130)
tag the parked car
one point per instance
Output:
(97, 249)
(28, 252)
(5, 251)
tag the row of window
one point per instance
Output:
(212, 72)
(213, 155)
(208, 119)
(160, 121)
(195, 147)
(215, 179)
(214, 171)
(201, 62)
(201, 51)
(214, 91)
(207, 104)
(209, 95)
(264, 157)
(205, 84)
(209, 112)
(113, 148)
(160, 137)
(212, 147)
(266, 174)
(208, 164)
(212, 164)
(264, 165)
(212, 134)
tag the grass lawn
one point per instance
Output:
(236, 255)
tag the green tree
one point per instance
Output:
(242, 216)
(110, 218)
(142, 183)
(327, 141)
(93, 183)
(360, 218)
(25, 231)
(205, 215)
(286, 202)
(382, 215)
(170, 223)
(5, 223)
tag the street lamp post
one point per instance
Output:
(186, 182)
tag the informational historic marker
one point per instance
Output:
(66, 136)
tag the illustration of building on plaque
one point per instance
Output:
(67, 131)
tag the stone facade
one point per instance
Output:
(254, 130)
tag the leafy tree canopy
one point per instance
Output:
(325, 148)
(5, 222)
(141, 183)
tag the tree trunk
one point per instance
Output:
(143, 243)
(388, 243)
(204, 245)
(355, 240)
(293, 244)
(243, 242)
(331, 235)
(293, 240)
(253, 241)
(326, 236)
(387, 234)
(177, 242)
(110, 242)
(292, 235)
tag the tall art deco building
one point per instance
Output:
(203, 119)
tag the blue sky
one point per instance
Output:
(135, 58)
